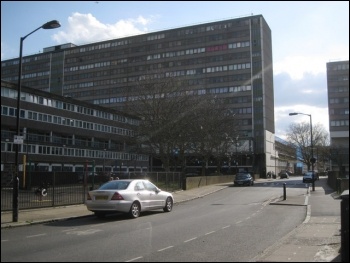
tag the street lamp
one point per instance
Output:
(49, 25)
(312, 159)
(236, 154)
(104, 159)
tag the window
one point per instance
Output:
(139, 186)
(149, 186)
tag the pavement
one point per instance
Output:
(317, 239)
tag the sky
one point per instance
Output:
(306, 35)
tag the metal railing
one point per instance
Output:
(70, 188)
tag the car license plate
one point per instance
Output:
(240, 182)
(101, 197)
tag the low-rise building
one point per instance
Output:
(64, 134)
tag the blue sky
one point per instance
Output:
(305, 36)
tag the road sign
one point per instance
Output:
(18, 139)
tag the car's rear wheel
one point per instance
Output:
(135, 210)
(168, 205)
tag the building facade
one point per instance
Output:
(338, 110)
(230, 58)
(64, 134)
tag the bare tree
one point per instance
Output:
(176, 122)
(298, 135)
(160, 108)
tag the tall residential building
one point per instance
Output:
(230, 58)
(338, 110)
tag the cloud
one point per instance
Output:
(309, 90)
(319, 115)
(310, 63)
(306, 95)
(85, 28)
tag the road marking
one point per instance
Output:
(190, 239)
(84, 232)
(165, 248)
(225, 227)
(40, 235)
(70, 229)
(133, 259)
(210, 233)
(238, 222)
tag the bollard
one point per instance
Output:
(284, 191)
(344, 213)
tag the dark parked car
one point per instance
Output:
(283, 174)
(307, 177)
(243, 179)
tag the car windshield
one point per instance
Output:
(242, 176)
(115, 185)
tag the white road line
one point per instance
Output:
(210, 233)
(190, 239)
(133, 259)
(225, 227)
(69, 229)
(165, 248)
(40, 235)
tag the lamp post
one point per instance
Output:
(236, 154)
(49, 25)
(312, 159)
(104, 160)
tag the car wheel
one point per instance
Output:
(168, 205)
(100, 214)
(135, 210)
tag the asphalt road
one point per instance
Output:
(234, 224)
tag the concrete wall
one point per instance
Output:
(199, 181)
(336, 182)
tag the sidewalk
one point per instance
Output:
(317, 239)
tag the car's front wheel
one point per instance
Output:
(135, 210)
(168, 205)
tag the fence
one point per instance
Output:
(69, 188)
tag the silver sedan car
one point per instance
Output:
(128, 196)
